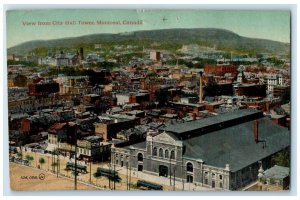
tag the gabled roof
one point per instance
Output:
(236, 146)
(180, 129)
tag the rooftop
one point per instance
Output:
(236, 145)
(211, 121)
(277, 172)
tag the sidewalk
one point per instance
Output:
(164, 181)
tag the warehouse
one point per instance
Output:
(219, 152)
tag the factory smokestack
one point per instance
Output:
(200, 88)
(81, 54)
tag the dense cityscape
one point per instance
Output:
(131, 117)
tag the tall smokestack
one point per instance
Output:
(200, 88)
(81, 54)
(255, 131)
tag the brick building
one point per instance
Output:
(220, 69)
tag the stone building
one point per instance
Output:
(220, 152)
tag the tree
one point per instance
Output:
(282, 158)
(29, 158)
(42, 161)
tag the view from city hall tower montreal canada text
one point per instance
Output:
(173, 100)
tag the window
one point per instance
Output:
(140, 167)
(163, 170)
(172, 154)
(213, 175)
(189, 167)
(220, 177)
(221, 185)
(161, 153)
(166, 154)
(206, 181)
(189, 178)
(213, 184)
(140, 157)
(154, 151)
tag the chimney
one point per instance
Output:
(194, 116)
(81, 54)
(200, 88)
(255, 131)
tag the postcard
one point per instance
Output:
(172, 100)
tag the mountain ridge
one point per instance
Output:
(221, 38)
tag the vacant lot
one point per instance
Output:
(26, 178)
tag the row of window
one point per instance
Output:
(83, 151)
(213, 175)
(163, 154)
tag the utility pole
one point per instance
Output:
(52, 162)
(109, 177)
(90, 170)
(170, 173)
(75, 157)
(130, 169)
(127, 174)
(114, 171)
(57, 158)
(174, 179)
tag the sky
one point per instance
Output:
(272, 25)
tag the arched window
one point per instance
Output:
(166, 154)
(172, 154)
(213, 175)
(140, 157)
(154, 151)
(220, 177)
(189, 167)
(161, 153)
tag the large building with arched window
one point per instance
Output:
(220, 152)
